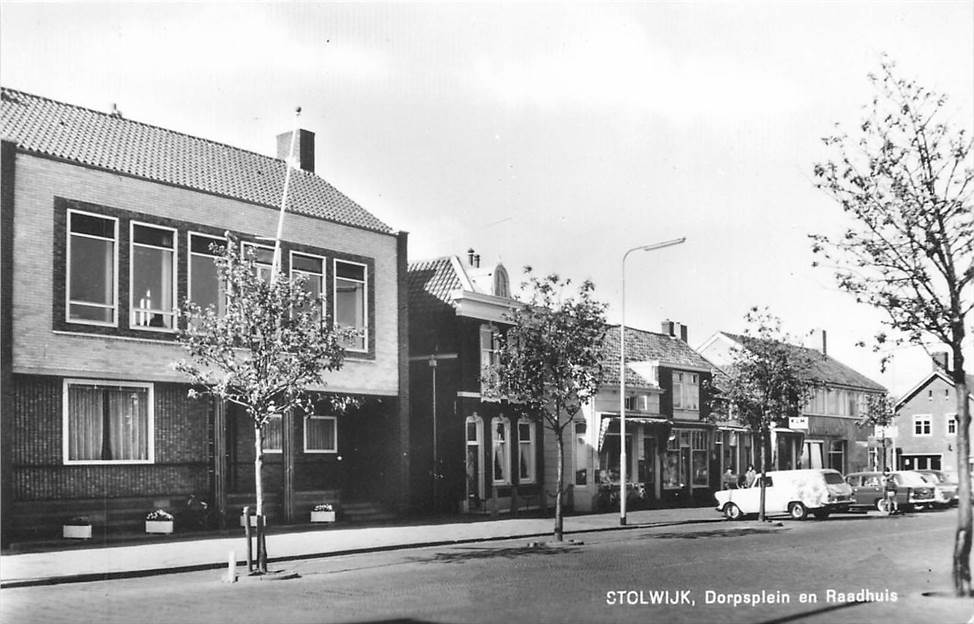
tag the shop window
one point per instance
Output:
(320, 434)
(312, 269)
(92, 267)
(526, 452)
(351, 283)
(273, 434)
(500, 450)
(152, 281)
(205, 286)
(581, 454)
(674, 469)
(107, 423)
(699, 449)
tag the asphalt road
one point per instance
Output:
(822, 568)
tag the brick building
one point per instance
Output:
(106, 226)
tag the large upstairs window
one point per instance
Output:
(152, 276)
(351, 312)
(205, 286)
(92, 268)
(312, 269)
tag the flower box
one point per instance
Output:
(158, 526)
(322, 516)
(76, 531)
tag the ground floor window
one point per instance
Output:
(920, 462)
(501, 450)
(107, 422)
(474, 427)
(674, 466)
(837, 455)
(701, 468)
(526, 452)
(273, 434)
(812, 455)
(320, 434)
(581, 454)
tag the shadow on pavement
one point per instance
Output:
(806, 614)
(472, 554)
(735, 532)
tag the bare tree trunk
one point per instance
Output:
(962, 539)
(259, 494)
(559, 521)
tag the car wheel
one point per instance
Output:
(733, 512)
(797, 511)
(881, 504)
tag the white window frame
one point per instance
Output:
(950, 419)
(67, 277)
(65, 408)
(365, 303)
(266, 450)
(260, 265)
(923, 418)
(532, 450)
(323, 286)
(190, 254)
(682, 390)
(478, 423)
(488, 357)
(334, 436)
(173, 269)
(506, 465)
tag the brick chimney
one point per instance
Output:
(825, 343)
(304, 148)
(668, 327)
(941, 360)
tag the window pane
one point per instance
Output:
(108, 423)
(306, 264)
(152, 286)
(320, 434)
(272, 434)
(157, 237)
(92, 275)
(204, 282)
(201, 244)
(350, 310)
(350, 271)
(91, 225)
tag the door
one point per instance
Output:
(647, 467)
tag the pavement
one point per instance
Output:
(171, 555)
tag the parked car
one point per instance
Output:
(944, 488)
(793, 492)
(912, 490)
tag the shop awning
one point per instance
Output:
(608, 419)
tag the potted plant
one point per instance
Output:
(323, 513)
(158, 521)
(78, 527)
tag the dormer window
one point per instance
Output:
(501, 282)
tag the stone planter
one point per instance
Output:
(76, 531)
(322, 516)
(253, 521)
(158, 526)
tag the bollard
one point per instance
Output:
(231, 567)
(250, 551)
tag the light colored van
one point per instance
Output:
(793, 492)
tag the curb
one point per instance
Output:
(127, 574)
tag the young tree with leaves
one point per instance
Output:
(550, 361)
(905, 179)
(768, 380)
(880, 412)
(262, 352)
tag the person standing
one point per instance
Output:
(889, 487)
(750, 476)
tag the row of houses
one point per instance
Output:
(106, 224)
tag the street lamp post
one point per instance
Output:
(622, 374)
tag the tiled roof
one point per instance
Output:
(96, 139)
(430, 283)
(827, 369)
(642, 346)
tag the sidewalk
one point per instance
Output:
(59, 566)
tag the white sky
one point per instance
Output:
(555, 135)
